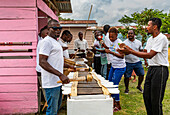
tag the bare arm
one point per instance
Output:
(46, 66)
(128, 50)
(119, 55)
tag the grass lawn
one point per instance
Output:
(132, 104)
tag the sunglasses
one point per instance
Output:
(55, 28)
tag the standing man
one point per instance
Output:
(133, 62)
(66, 38)
(107, 40)
(156, 51)
(52, 62)
(81, 45)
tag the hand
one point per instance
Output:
(146, 63)
(126, 50)
(64, 48)
(107, 51)
(96, 46)
(73, 67)
(64, 79)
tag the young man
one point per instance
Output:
(81, 45)
(106, 39)
(156, 51)
(133, 62)
(66, 38)
(118, 65)
(52, 63)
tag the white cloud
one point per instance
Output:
(110, 11)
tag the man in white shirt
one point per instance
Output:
(66, 38)
(52, 63)
(133, 62)
(156, 51)
(106, 39)
(81, 45)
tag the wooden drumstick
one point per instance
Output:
(87, 78)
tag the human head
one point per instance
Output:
(80, 34)
(113, 34)
(106, 28)
(98, 35)
(154, 24)
(54, 29)
(43, 32)
(131, 34)
(66, 36)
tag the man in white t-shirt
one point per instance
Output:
(66, 38)
(156, 51)
(133, 62)
(52, 63)
(81, 45)
(106, 39)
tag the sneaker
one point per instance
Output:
(140, 89)
(126, 91)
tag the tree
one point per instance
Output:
(60, 18)
(140, 19)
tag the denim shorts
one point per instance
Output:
(137, 67)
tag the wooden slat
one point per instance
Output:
(18, 88)
(16, 47)
(17, 80)
(18, 54)
(17, 71)
(8, 63)
(17, 3)
(17, 36)
(88, 85)
(19, 104)
(89, 91)
(18, 96)
(10, 111)
(43, 7)
(18, 24)
(17, 13)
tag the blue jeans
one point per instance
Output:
(115, 76)
(54, 100)
(103, 70)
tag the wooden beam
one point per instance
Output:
(61, 1)
(74, 85)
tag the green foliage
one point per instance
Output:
(63, 19)
(140, 19)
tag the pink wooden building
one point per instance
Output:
(20, 21)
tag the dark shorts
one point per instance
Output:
(137, 67)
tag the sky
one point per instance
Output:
(110, 11)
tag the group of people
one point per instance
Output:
(110, 60)
(124, 59)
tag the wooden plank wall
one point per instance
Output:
(18, 79)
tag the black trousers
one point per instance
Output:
(154, 89)
(97, 64)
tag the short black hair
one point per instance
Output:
(156, 21)
(106, 28)
(80, 33)
(45, 27)
(66, 32)
(52, 20)
(113, 30)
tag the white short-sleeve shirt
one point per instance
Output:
(115, 61)
(64, 44)
(38, 67)
(158, 44)
(135, 45)
(82, 44)
(51, 48)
